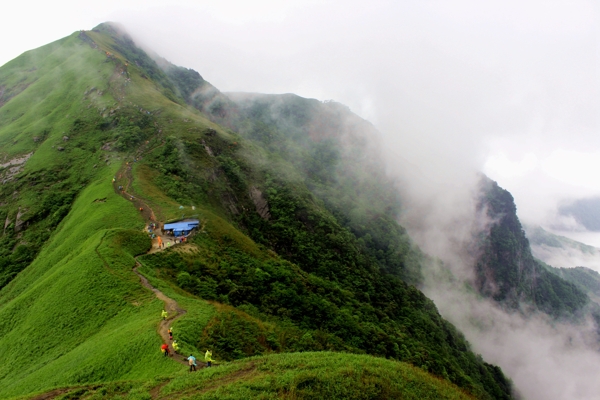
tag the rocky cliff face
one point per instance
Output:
(506, 269)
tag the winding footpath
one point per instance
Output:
(173, 309)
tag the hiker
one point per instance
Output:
(175, 346)
(170, 333)
(192, 362)
(163, 314)
(165, 349)
(208, 358)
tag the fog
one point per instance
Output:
(505, 87)
(544, 359)
(456, 87)
(567, 257)
(508, 88)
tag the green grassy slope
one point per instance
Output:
(70, 316)
(322, 375)
(72, 311)
(50, 83)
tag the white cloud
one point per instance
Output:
(500, 165)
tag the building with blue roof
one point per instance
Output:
(181, 228)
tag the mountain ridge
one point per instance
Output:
(325, 269)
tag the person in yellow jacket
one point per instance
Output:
(164, 314)
(175, 346)
(208, 358)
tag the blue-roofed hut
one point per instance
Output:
(181, 228)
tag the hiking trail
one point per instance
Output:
(173, 309)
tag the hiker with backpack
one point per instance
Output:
(192, 362)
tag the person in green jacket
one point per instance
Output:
(208, 358)
(163, 314)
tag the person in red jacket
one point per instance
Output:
(165, 349)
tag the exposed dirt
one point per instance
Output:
(215, 384)
(52, 394)
(155, 391)
(172, 308)
(126, 192)
(231, 378)
(59, 392)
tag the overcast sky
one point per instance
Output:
(510, 88)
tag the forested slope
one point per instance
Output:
(291, 254)
(508, 272)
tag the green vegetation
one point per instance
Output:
(298, 248)
(78, 304)
(323, 288)
(321, 375)
(507, 270)
(587, 280)
(334, 154)
(539, 236)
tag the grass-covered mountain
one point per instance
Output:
(298, 249)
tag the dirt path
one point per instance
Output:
(125, 178)
(171, 307)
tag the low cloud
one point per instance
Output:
(544, 359)
(566, 258)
